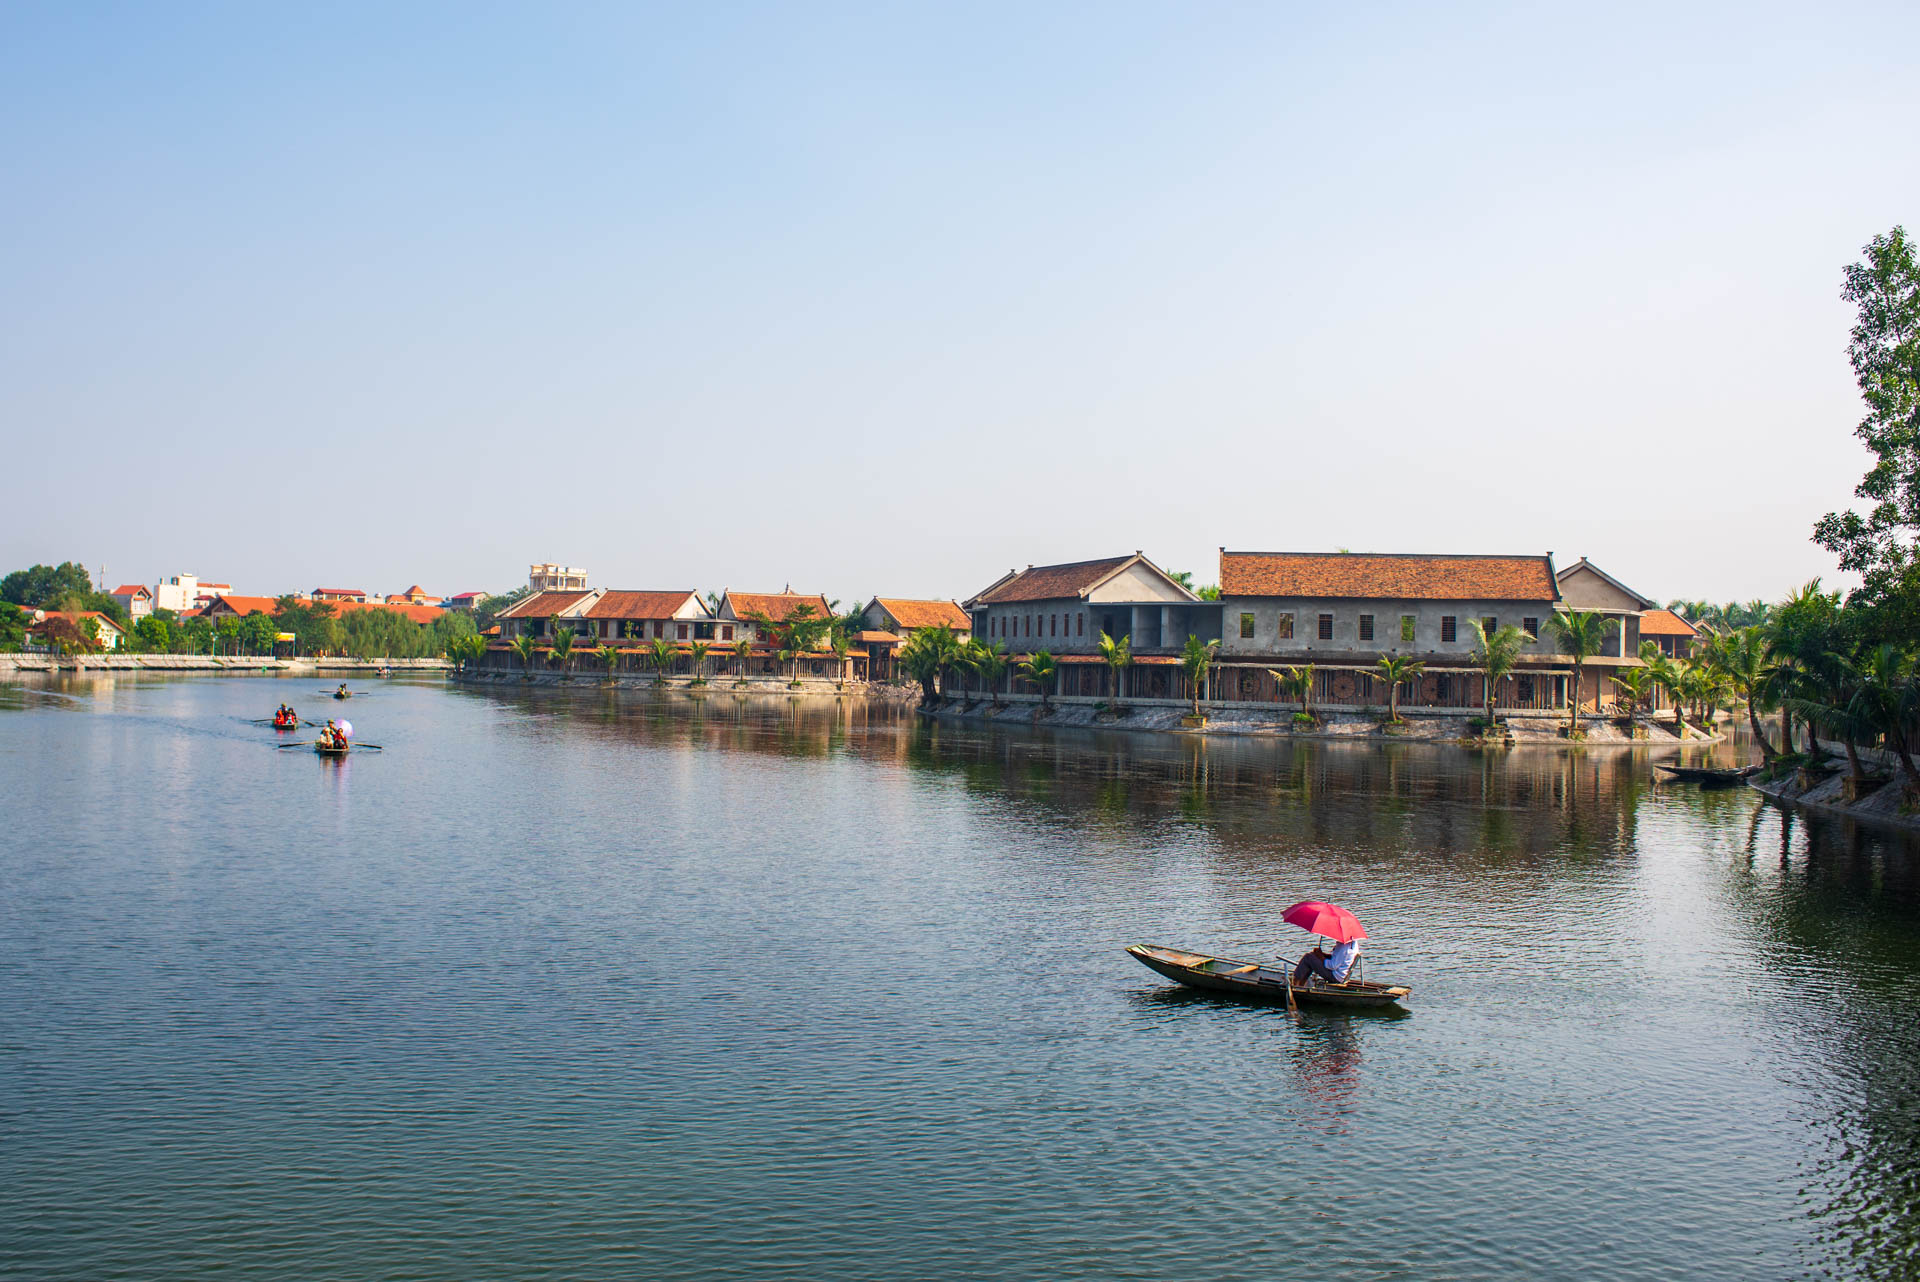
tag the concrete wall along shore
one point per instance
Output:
(237, 665)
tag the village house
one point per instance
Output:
(889, 622)
(110, 634)
(1667, 630)
(739, 612)
(548, 577)
(184, 593)
(1063, 609)
(1635, 617)
(415, 595)
(136, 599)
(229, 606)
(337, 595)
(464, 601)
(1341, 611)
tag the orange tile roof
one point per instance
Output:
(418, 613)
(132, 589)
(877, 638)
(74, 617)
(776, 605)
(1387, 576)
(1665, 623)
(331, 591)
(638, 604)
(911, 614)
(1050, 582)
(244, 605)
(542, 604)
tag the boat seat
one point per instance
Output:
(1241, 970)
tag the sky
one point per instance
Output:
(890, 299)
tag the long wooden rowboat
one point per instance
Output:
(1251, 981)
(1710, 776)
(331, 752)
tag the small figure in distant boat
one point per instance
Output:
(1333, 967)
(342, 692)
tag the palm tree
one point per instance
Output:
(989, 659)
(743, 651)
(1497, 655)
(1296, 683)
(1743, 657)
(699, 649)
(1117, 655)
(1887, 698)
(1672, 678)
(661, 655)
(562, 652)
(1396, 670)
(611, 657)
(839, 645)
(1634, 685)
(920, 658)
(525, 646)
(1195, 660)
(1581, 634)
(1040, 668)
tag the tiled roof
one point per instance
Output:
(638, 605)
(1665, 623)
(418, 613)
(877, 638)
(542, 604)
(776, 605)
(1049, 582)
(74, 617)
(1387, 576)
(132, 589)
(911, 614)
(245, 605)
(467, 596)
(331, 591)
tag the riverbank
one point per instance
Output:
(237, 665)
(1345, 726)
(720, 683)
(1889, 802)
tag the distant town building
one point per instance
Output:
(111, 634)
(136, 599)
(227, 605)
(338, 595)
(415, 595)
(185, 592)
(465, 600)
(548, 577)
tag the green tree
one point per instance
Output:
(1497, 655)
(989, 660)
(1671, 676)
(800, 631)
(46, 587)
(921, 658)
(1580, 635)
(609, 657)
(700, 649)
(562, 651)
(743, 652)
(661, 655)
(1744, 658)
(525, 647)
(1884, 349)
(1633, 686)
(488, 609)
(1296, 683)
(13, 627)
(1040, 668)
(153, 634)
(1196, 659)
(1116, 655)
(1396, 670)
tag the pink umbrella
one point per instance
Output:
(1331, 920)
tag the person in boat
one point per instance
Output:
(341, 691)
(1334, 967)
(330, 737)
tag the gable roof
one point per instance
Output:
(911, 614)
(132, 589)
(74, 617)
(244, 605)
(1068, 579)
(467, 596)
(1665, 623)
(775, 605)
(640, 604)
(331, 591)
(1387, 576)
(1646, 603)
(542, 604)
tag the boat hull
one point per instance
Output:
(1251, 982)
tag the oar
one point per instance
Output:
(284, 747)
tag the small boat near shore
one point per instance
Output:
(1709, 776)
(1257, 982)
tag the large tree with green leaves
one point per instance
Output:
(1396, 670)
(1580, 635)
(46, 587)
(1884, 349)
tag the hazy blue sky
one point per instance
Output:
(889, 299)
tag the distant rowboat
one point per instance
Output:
(1251, 981)
(1710, 776)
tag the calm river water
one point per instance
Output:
(574, 985)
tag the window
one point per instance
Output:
(1284, 627)
(1531, 627)
(1449, 629)
(1082, 616)
(1490, 624)
(1246, 627)
(680, 633)
(1406, 628)
(726, 632)
(1053, 625)
(659, 629)
(1443, 688)
(1524, 689)
(1326, 627)
(1366, 627)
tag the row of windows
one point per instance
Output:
(614, 629)
(1364, 627)
(1040, 625)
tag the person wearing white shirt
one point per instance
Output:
(1333, 967)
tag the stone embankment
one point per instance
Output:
(721, 683)
(235, 666)
(1882, 799)
(1279, 722)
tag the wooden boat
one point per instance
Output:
(325, 751)
(1710, 776)
(1253, 981)
(287, 725)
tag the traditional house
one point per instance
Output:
(136, 599)
(1673, 634)
(549, 577)
(464, 600)
(229, 606)
(415, 595)
(530, 615)
(737, 619)
(1064, 609)
(337, 595)
(1341, 611)
(109, 633)
(615, 617)
(888, 622)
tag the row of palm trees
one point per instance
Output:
(661, 655)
